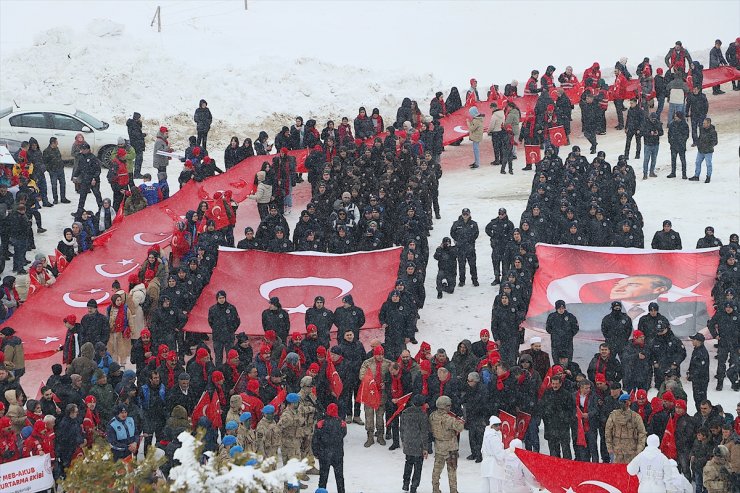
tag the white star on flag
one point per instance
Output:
(94, 290)
(569, 490)
(49, 339)
(297, 309)
(125, 261)
(676, 293)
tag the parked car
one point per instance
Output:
(62, 122)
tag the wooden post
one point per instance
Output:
(158, 17)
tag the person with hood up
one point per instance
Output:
(415, 441)
(651, 467)
(492, 468)
(224, 320)
(517, 477)
(203, 119)
(475, 129)
(262, 146)
(705, 147)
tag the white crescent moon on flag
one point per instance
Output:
(140, 241)
(285, 282)
(607, 487)
(101, 270)
(82, 304)
(460, 129)
(568, 288)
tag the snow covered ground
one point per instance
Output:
(246, 65)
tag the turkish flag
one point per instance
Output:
(668, 443)
(119, 214)
(532, 154)
(296, 278)
(557, 136)
(400, 406)
(522, 424)
(545, 383)
(214, 411)
(588, 279)
(335, 382)
(33, 286)
(562, 475)
(217, 213)
(369, 391)
(61, 261)
(508, 427)
(279, 399)
(201, 408)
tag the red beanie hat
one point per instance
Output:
(90, 399)
(656, 404)
(163, 130)
(318, 148)
(270, 335)
(232, 354)
(378, 350)
(637, 333)
(669, 397)
(283, 150)
(311, 328)
(659, 71)
(196, 151)
(600, 378)
(2, 406)
(201, 353)
(296, 336)
(358, 142)
(332, 410)
(265, 349)
(70, 319)
(314, 367)
(188, 163)
(681, 403)
(218, 195)
(207, 159)
(321, 351)
(472, 81)
(425, 346)
(121, 152)
(485, 332)
(494, 358)
(253, 386)
(171, 356)
(641, 394)
(39, 426)
(133, 278)
(217, 376)
(557, 369)
(491, 346)
(146, 332)
(550, 107)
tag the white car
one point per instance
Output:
(62, 122)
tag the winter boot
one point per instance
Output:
(379, 437)
(394, 446)
(370, 440)
(387, 433)
(709, 178)
(358, 420)
(405, 487)
(439, 295)
(527, 168)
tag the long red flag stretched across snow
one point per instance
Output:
(296, 278)
(559, 475)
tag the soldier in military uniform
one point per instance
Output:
(445, 427)
(267, 433)
(290, 425)
(307, 409)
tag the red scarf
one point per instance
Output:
(147, 349)
(600, 367)
(584, 410)
(425, 385)
(12, 294)
(150, 272)
(641, 410)
(203, 366)
(170, 377)
(234, 372)
(220, 390)
(501, 379)
(736, 425)
(520, 378)
(119, 324)
(442, 387)
(378, 373)
(396, 386)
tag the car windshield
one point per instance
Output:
(6, 111)
(91, 120)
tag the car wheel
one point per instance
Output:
(105, 155)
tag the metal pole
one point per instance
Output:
(158, 17)
(245, 4)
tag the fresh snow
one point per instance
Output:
(260, 68)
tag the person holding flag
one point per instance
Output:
(373, 395)
(398, 387)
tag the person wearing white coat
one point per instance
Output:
(517, 478)
(651, 467)
(492, 466)
(677, 482)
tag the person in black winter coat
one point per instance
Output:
(590, 117)
(353, 353)
(666, 353)
(562, 327)
(666, 238)
(404, 113)
(203, 119)
(224, 320)
(363, 125)
(165, 323)
(725, 327)
(69, 435)
(465, 231)
(616, 328)
(136, 138)
(678, 134)
(652, 130)
(88, 174)
(94, 326)
(232, 154)
(328, 446)
(446, 257)
(698, 373)
(475, 399)
(605, 363)
(636, 363)
(396, 320)
(708, 240)
(500, 230)
(697, 108)
(349, 317)
(557, 408)
(505, 320)
(277, 319)
(322, 318)
(632, 128)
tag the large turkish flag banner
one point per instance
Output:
(250, 278)
(569, 476)
(588, 279)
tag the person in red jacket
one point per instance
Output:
(531, 86)
(120, 181)
(593, 73)
(33, 445)
(8, 442)
(618, 91)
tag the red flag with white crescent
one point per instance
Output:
(201, 408)
(369, 392)
(61, 261)
(522, 424)
(119, 214)
(296, 278)
(532, 154)
(570, 476)
(335, 382)
(668, 443)
(508, 427)
(214, 411)
(400, 406)
(557, 136)
(279, 399)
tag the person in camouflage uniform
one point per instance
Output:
(245, 435)
(307, 408)
(290, 425)
(446, 427)
(267, 433)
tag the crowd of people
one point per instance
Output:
(374, 186)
